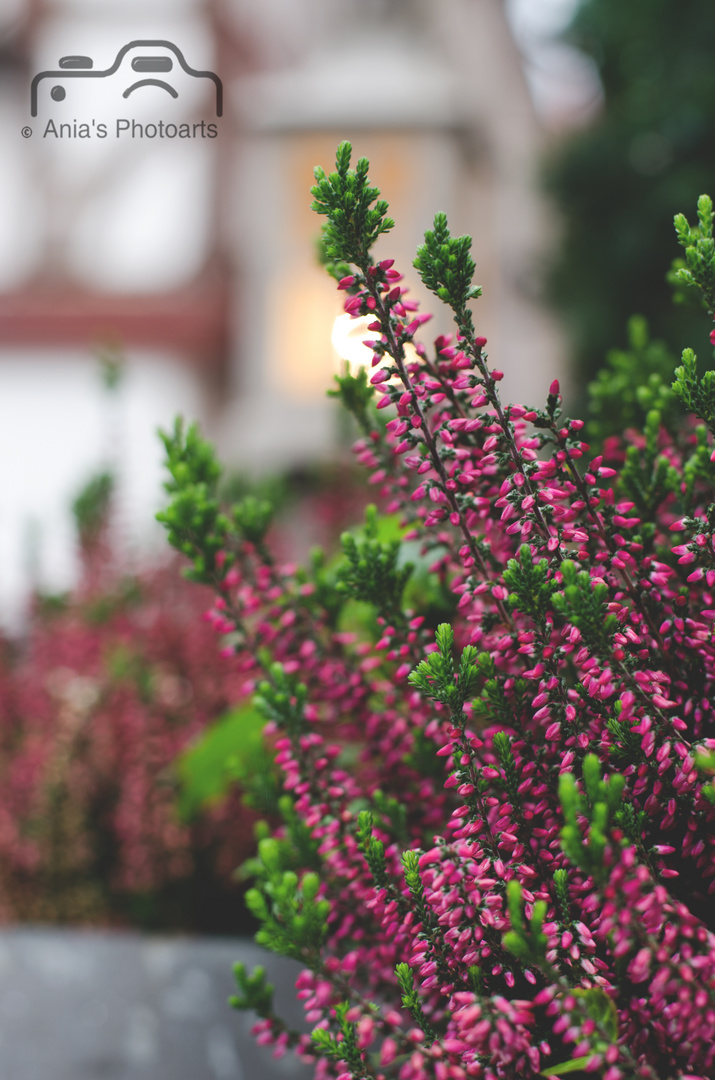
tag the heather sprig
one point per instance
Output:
(195, 523)
(356, 217)
(436, 677)
(697, 394)
(293, 918)
(528, 944)
(532, 587)
(411, 1000)
(372, 848)
(370, 572)
(282, 699)
(356, 395)
(583, 603)
(445, 264)
(699, 251)
(255, 992)
(599, 808)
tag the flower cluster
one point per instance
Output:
(497, 853)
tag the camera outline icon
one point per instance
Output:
(82, 67)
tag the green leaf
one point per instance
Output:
(575, 1065)
(227, 749)
(601, 1009)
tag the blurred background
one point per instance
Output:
(192, 263)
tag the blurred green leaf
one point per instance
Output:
(230, 749)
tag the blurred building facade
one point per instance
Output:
(435, 96)
(198, 259)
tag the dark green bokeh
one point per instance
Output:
(618, 184)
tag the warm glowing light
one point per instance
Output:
(348, 339)
(348, 336)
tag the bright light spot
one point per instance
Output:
(348, 336)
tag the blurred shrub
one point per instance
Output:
(97, 701)
(618, 184)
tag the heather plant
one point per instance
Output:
(496, 850)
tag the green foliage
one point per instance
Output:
(574, 1065)
(336, 269)
(427, 592)
(531, 588)
(632, 823)
(618, 182)
(193, 519)
(626, 744)
(345, 1049)
(528, 944)
(647, 476)
(445, 264)
(424, 590)
(356, 396)
(561, 884)
(346, 198)
(393, 812)
(411, 1000)
(189, 459)
(112, 365)
(600, 807)
(705, 764)
(697, 467)
(293, 919)
(296, 847)
(196, 524)
(436, 678)
(697, 394)
(632, 382)
(373, 849)
(493, 706)
(422, 757)
(282, 699)
(410, 863)
(255, 993)
(502, 745)
(699, 247)
(253, 517)
(583, 603)
(594, 1004)
(126, 664)
(228, 751)
(91, 507)
(235, 485)
(370, 572)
